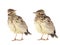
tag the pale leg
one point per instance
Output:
(15, 38)
(47, 37)
(41, 38)
(21, 38)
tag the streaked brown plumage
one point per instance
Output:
(17, 24)
(43, 24)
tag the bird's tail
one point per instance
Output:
(54, 35)
(26, 33)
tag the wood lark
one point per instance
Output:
(17, 24)
(44, 25)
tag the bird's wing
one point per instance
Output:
(20, 22)
(49, 24)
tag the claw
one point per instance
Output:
(14, 39)
(17, 40)
(43, 39)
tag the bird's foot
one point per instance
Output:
(47, 39)
(14, 39)
(21, 38)
(43, 39)
(18, 39)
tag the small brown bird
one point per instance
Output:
(17, 24)
(44, 25)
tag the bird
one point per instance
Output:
(44, 24)
(17, 24)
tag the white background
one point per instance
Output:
(25, 9)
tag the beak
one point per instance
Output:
(34, 12)
(14, 10)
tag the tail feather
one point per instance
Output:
(26, 33)
(54, 35)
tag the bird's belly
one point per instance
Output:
(11, 26)
(38, 27)
(16, 29)
(41, 28)
(19, 28)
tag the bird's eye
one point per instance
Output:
(17, 19)
(48, 21)
(21, 20)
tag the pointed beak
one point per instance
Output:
(14, 10)
(34, 12)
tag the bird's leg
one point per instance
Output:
(41, 38)
(22, 37)
(47, 37)
(15, 38)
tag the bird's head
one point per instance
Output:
(39, 12)
(11, 12)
